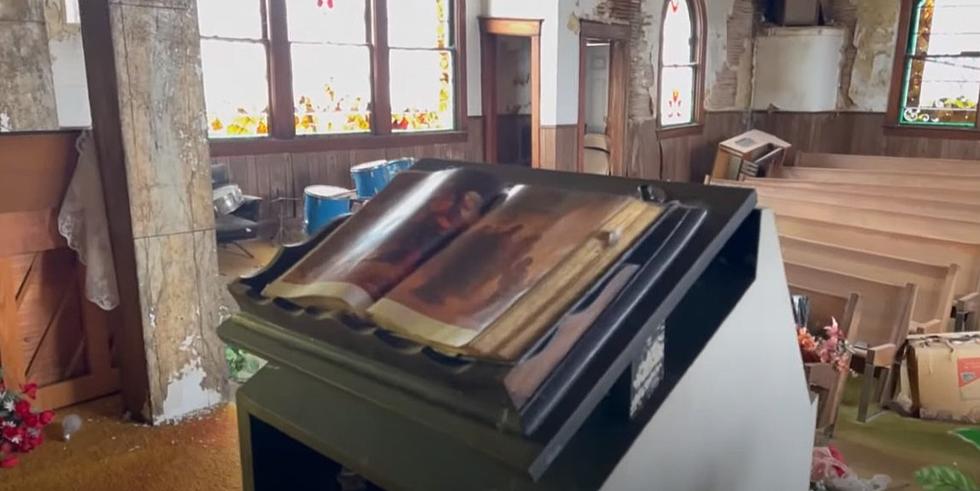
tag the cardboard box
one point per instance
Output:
(944, 376)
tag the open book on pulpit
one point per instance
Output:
(464, 262)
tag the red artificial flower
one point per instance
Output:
(11, 432)
(31, 420)
(8, 462)
(30, 390)
(47, 417)
(22, 408)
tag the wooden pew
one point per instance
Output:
(888, 163)
(885, 316)
(948, 195)
(828, 195)
(936, 284)
(927, 182)
(902, 245)
(885, 221)
(824, 307)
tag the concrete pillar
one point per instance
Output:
(143, 61)
(26, 86)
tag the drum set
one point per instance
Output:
(323, 203)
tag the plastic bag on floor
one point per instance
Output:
(829, 472)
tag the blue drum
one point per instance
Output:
(370, 178)
(323, 204)
(398, 165)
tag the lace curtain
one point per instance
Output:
(83, 223)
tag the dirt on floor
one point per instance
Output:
(898, 446)
(109, 454)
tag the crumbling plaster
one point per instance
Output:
(27, 99)
(874, 31)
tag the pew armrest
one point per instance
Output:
(965, 309)
(932, 327)
(882, 355)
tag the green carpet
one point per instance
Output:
(897, 446)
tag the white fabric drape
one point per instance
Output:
(83, 223)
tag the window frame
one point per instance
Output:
(282, 137)
(698, 23)
(895, 94)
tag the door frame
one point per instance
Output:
(618, 36)
(490, 29)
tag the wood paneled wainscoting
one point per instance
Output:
(681, 157)
(559, 147)
(285, 175)
(859, 133)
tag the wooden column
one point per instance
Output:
(144, 69)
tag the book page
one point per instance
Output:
(415, 215)
(468, 285)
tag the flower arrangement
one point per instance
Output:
(20, 427)
(831, 347)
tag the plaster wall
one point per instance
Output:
(781, 83)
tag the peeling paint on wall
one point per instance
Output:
(186, 393)
(874, 43)
(728, 73)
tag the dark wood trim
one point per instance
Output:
(488, 65)
(618, 35)
(927, 132)
(619, 77)
(459, 46)
(281, 109)
(678, 131)
(490, 28)
(892, 126)
(104, 99)
(327, 143)
(505, 26)
(580, 130)
(535, 101)
(699, 17)
(603, 30)
(380, 76)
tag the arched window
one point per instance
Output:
(938, 65)
(681, 84)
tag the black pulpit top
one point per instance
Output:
(534, 413)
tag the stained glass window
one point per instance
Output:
(337, 79)
(679, 59)
(421, 65)
(941, 82)
(331, 61)
(234, 65)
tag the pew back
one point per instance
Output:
(886, 309)
(907, 246)
(885, 221)
(936, 284)
(925, 181)
(829, 195)
(888, 163)
(903, 192)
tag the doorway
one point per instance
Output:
(603, 79)
(511, 80)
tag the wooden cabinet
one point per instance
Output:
(49, 333)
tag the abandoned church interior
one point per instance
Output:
(426, 245)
